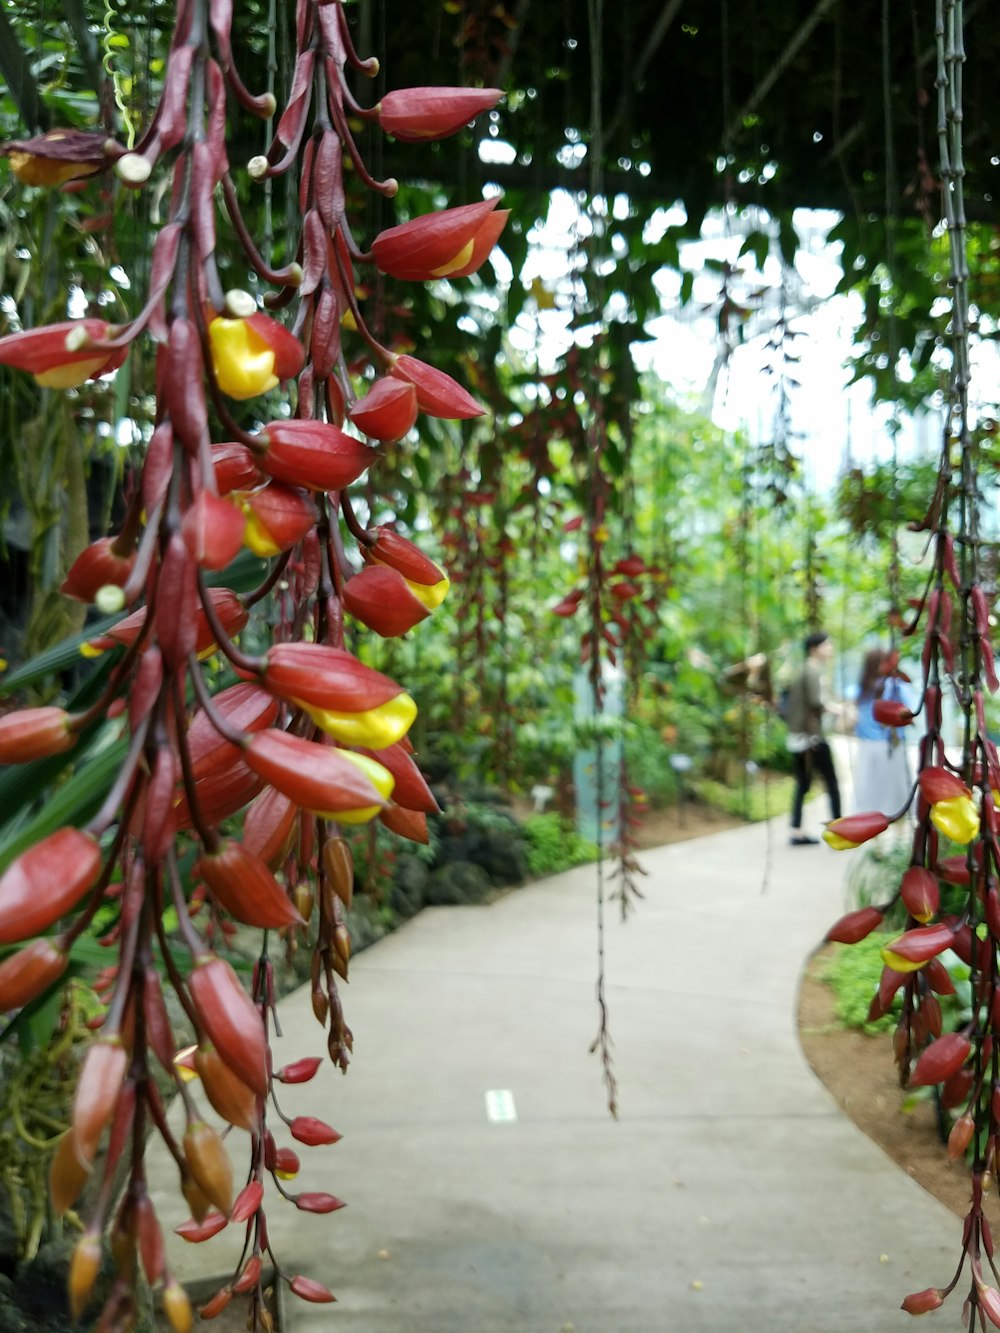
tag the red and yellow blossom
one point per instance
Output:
(63, 356)
(449, 244)
(852, 830)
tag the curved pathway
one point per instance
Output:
(731, 1195)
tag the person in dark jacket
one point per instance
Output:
(807, 744)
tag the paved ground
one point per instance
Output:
(730, 1196)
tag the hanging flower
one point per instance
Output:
(96, 567)
(957, 818)
(61, 155)
(277, 517)
(426, 580)
(449, 244)
(348, 700)
(416, 114)
(251, 355)
(438, 394)
(313, 454)
(34, 733)
(62, 356)
(384, 601)
(387, 410)
(852, 830)
(333, 783)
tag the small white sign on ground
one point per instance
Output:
(501, 1108)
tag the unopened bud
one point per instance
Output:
(133, 169)
(390, 187)
(268, 104)
(258, 167)
(239, 303)
(77, 339)
(110, 599)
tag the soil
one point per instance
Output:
(860, 1073)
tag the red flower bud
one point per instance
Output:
(299, 1071)
(410, 790)
(220, 794)
(451, 243)
(313, 454)
(938, 977)
(891, 713)
(309, 1290)
(276, 518)
(213, 530)
(922, 1302)
(244, 706)
(415, 114)
(209, 1164)
(45, 882)
(235, 468)
(307, 1129)
(284, 1162)
(250, 1276)
(269, 825)
(30, 971)
(62, 356)
(437, 393)
(318, 1203)
(388, 409)
(247, 1201)
(97, 1087)
(920, 893)
(954, 869)
(228, 1094)
(855, 926)
(231, 1020)
(942, 1058)
(960, 1137)
(34, 733)
(217, 1303)
(195, 1232)
(938, 784)
(246, 888)
(97, 566)
(384, 601)
(410, 824)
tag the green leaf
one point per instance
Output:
(73, 803)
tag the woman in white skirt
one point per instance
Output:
(882, 777)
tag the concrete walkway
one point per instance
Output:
(732, 1195)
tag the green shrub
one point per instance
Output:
(553, 845)
(853, 974)
(755, 799)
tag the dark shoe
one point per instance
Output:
(803, 840)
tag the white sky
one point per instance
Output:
(829, 420)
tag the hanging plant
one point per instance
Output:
(308, 741)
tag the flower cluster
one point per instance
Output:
(302, 740)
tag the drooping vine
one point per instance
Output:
(259, 431)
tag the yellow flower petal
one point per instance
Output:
(242, 361)
(898, 963)
(374, 729)
(430, 594)
(838, 843)
(957, 818)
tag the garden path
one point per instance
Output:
(731, 1195)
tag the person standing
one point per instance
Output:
(882, 779)
(807, 744)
